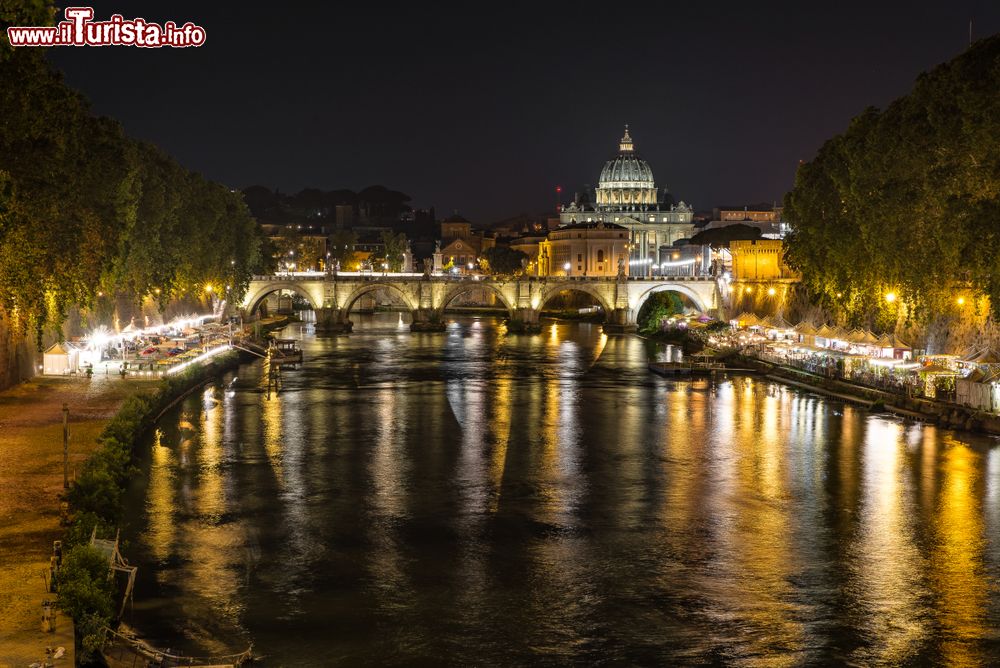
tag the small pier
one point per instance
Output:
(696, 368)
(675, 369)
(285, 351)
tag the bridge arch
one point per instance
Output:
(375, 286)
(253, 301)
(463, 288)
(551, 291)
(679, 288)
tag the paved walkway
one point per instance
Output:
(31, 480)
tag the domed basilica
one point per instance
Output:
(627, 195)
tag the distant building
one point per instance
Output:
(455, 227)
(759, 259)
(298, 247)
(529, 245)
(627, 196)
(583, 249)
(462, 246)
(766, 218)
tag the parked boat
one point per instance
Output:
(285, 351)
(124, 649)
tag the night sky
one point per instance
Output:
(485, 108)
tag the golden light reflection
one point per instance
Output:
(756, 555)
(602, 342)
(548, 465)
(212, 549)
(957, 573)
(680, 498)
(887, 587)
(500, 427)
(271, 422)
(388, 463)
(160, 500)
(211, 497)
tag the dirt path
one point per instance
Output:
(31, 481)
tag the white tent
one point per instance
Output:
(60, 360)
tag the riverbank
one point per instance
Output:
(31, 475)
(941, 413)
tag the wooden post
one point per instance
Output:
(65, 410)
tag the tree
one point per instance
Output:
(656, 309)
(505, 261)
(342, 247)
(85, 209)
(906, 200)
(395, 246)
(86, 594)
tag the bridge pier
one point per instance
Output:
(427, 320)
(524, 321)
(333, 321)
(618, 322)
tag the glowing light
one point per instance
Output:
(99, 338)
(772, 291)
(960, 301)
(208, 287)
(890, 297)
(748, 289)
(840, 294)
(200, 358)
(566, 266)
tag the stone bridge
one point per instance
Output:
(333, 295)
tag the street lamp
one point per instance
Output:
(890, 297)
(566, 268)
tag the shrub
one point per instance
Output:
(85, 593)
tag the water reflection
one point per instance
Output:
(888, 585)
(478, 497)
(957, 559)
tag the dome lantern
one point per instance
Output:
(625, 146)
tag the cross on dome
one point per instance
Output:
(626, 143)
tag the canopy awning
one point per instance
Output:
(805, 329)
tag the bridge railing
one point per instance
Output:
(359, 276)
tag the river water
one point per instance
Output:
(478, 498)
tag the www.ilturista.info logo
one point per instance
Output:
(80, 30)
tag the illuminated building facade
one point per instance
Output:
(759, 259)
(627, 196)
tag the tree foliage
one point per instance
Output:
(86, 594)
(656, 309)
(342, 243)
(85, 209)
(907, 200)
(504, 261)
(395, 246)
